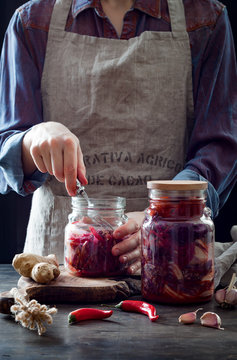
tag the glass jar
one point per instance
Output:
(89, 237)
(177, 244)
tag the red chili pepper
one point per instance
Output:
(140, 307)
(88, 314)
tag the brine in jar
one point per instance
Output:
(177, 243)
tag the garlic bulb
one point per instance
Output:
(231, 297)
(220, 296)
(227, 297)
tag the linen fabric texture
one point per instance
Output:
(130, 96)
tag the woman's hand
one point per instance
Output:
(51, 147)
(129, 250)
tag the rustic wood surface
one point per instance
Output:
(70, 289)
(123, 336)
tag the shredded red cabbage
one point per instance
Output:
(88, 253)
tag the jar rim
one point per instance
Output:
(105, 202)
(177, 185)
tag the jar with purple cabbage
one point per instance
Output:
(89, 237)
(177, 243)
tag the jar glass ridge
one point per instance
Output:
(89, 237)
(178, 246)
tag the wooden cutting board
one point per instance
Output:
(70, 289)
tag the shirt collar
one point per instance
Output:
(150, 7)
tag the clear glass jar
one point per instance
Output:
(177, 244)
(89, 237)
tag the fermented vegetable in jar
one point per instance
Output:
(89, 237)
(177, 243)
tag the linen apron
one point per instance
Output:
(130, 104)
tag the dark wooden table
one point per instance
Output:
(123, 336)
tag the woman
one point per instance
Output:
(126, 90)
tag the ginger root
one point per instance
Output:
(41, 269)
(43, 272)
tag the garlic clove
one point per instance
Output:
(211, 319)
(220, 296)
(189, 318)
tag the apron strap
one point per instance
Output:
(177, 17)
(60, 14)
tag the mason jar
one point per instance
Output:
(89, 237)
(177, 243)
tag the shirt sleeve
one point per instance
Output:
(11, 173)
(213, 143)
(20, 108)
(211, 195)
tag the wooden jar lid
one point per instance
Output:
(177, 185)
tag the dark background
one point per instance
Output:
(14, 209)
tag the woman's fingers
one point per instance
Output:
(51, 147)
(73, 166)
(127, 245)
(130, 227)
(129, 249)
(130, 256)
(135, 268)
(57, 162)
(81, 169)
(133, 259)
(70, 166)
(38, 160)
